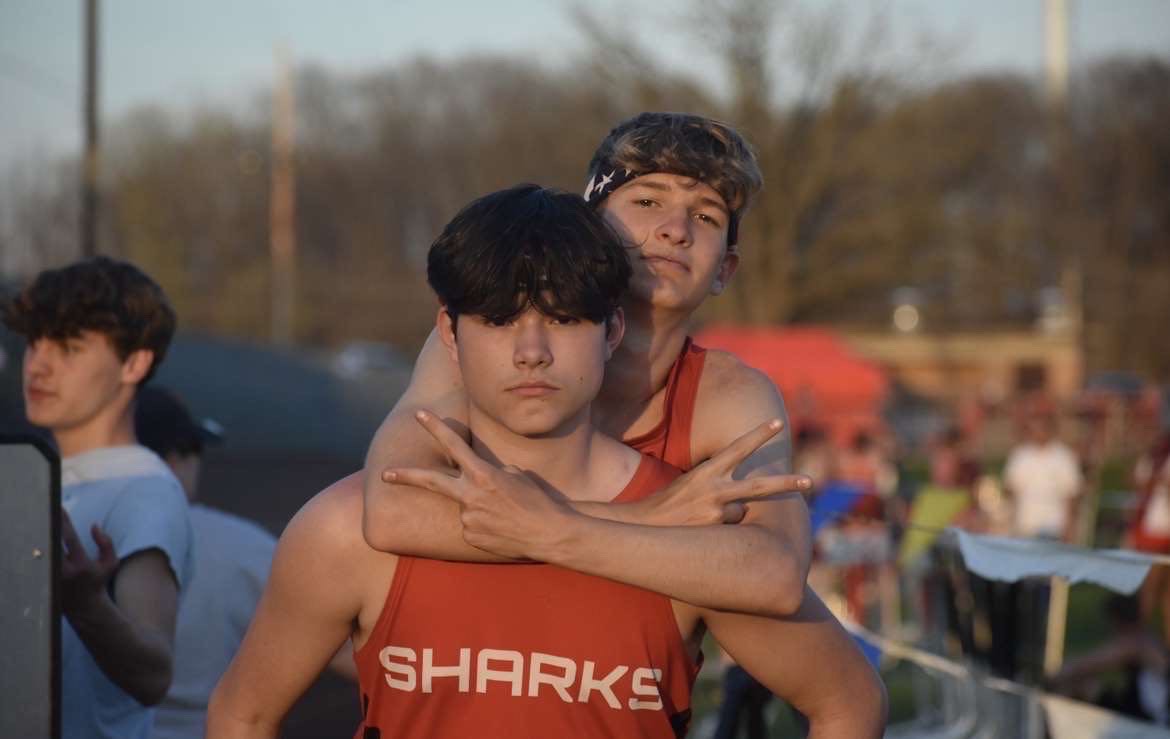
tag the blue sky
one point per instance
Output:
(187, 53)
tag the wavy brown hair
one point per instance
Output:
(104, 295)
(685, 144)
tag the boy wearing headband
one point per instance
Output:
(675, 187)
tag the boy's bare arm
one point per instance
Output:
(835, 687)
(505, 512)
(399, 518)
(733, 398)
(309, 604)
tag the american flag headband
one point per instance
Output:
(607, 179)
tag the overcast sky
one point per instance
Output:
(182, 53)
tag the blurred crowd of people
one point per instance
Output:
(876, 514)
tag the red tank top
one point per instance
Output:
(670, 440)
(524, 650)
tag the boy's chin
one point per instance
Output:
(662, 295)
(537, 427)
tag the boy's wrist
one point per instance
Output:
(561, 545)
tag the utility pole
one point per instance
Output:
(282, 205)
(1056, 88)
(90, 165)
(1056, 52)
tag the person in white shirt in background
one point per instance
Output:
(1043, 476)
(96, 331)
(233, 560)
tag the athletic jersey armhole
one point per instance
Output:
(670, 439)
(678, 437)
(646, 442)
(385, 622)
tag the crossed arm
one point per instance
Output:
(672, 543)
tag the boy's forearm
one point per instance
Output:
(411, 521)
(224, 728)
(135, 658)
(835, 687)
(406, 520)
(730, 567)
(221, 724)
(750, 567)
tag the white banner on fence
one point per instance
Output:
(1069, 719)
(1006, 559)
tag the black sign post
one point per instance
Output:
(30, 624)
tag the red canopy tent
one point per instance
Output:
(822, 379)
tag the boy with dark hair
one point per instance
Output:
(759, 567)
(96, 331)
(675, 187)
(448, 649)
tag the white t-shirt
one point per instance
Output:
(137, 501)
(1042, 478)
(232, 565)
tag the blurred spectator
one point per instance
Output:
(96, 332)
(233, 558)
(1133, 650)
(865, 465)
(1044, 479)
(1150, 529)
(813, 455)
(951, 466)
(953, 469)
(863, 542)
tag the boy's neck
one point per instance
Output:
(572, 461)
(641, 363)
(113, 426)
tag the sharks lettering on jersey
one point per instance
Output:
(622, 686)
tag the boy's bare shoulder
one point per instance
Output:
(733, 398)
(331, 521)
(726, 373)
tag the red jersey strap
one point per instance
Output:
(670, 440)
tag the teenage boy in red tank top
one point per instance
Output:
(675, 186)
(448, 649)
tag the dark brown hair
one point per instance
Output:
(100, 294)
(529, 245)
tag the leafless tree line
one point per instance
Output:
(972, 190)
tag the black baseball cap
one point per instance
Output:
(164, 424)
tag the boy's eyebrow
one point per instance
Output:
(664, 187)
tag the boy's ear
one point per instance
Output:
(445, 323)
(726, 270)
(137, 365)
(615, 329)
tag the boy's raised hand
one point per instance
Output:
(710, 494)
(84, 579)
(503, 511)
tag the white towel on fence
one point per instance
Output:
(1069, 719)
(1006, 559)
